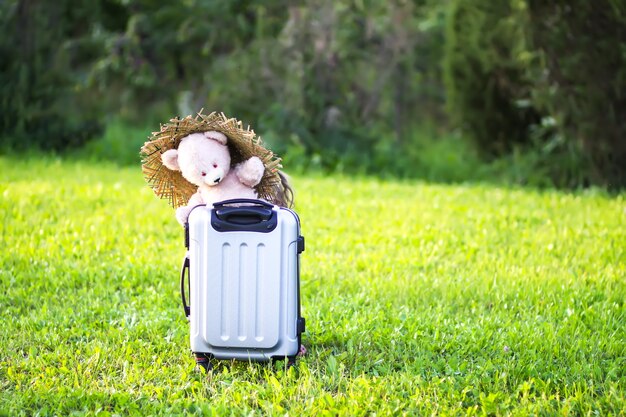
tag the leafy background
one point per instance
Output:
(532, 91)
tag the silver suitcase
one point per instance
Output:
(243, 264)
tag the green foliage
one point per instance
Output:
(166, 55)
(347, 89)
(420, 299)
(487, 68)
(535, 82)
(293, 71)
(429, 154)
(545, 75)
(44, 48)
(119, 144)
(582, 46)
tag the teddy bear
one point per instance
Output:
(204, 160)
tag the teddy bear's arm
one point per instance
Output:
(195, 199)
(250, 172)
(182, 213)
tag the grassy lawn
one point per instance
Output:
(419, 299)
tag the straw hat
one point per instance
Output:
(242, 144)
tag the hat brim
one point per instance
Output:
(242, 143)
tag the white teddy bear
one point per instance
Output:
(204, 160)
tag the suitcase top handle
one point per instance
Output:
(255, 216)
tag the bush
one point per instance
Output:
(343, 91)
(584, 87)
(297, 73)
(549, 76)
(486, 70)
(40, 99)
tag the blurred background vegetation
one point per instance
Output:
(451, 90)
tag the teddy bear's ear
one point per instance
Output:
(217, 136)
(170, 159)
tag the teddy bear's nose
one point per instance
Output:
(217, 180)
(203, 174)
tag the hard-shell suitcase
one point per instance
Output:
(243, 264)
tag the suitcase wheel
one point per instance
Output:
(203, 363)
(291, 362)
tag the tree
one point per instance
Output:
(584, 85)
(488, 68)
(45, 51)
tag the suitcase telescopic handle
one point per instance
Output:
(251, 214)
(243, 201)
(183, 269)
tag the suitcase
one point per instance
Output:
(243, 268)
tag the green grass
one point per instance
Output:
(420, 299)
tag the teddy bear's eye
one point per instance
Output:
(203, 174)
(214, 165)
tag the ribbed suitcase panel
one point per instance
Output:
(243, 294)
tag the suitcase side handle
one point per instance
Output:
(184, 268)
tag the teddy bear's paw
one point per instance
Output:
(182, 214)
(251, 171)
(302, 351)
